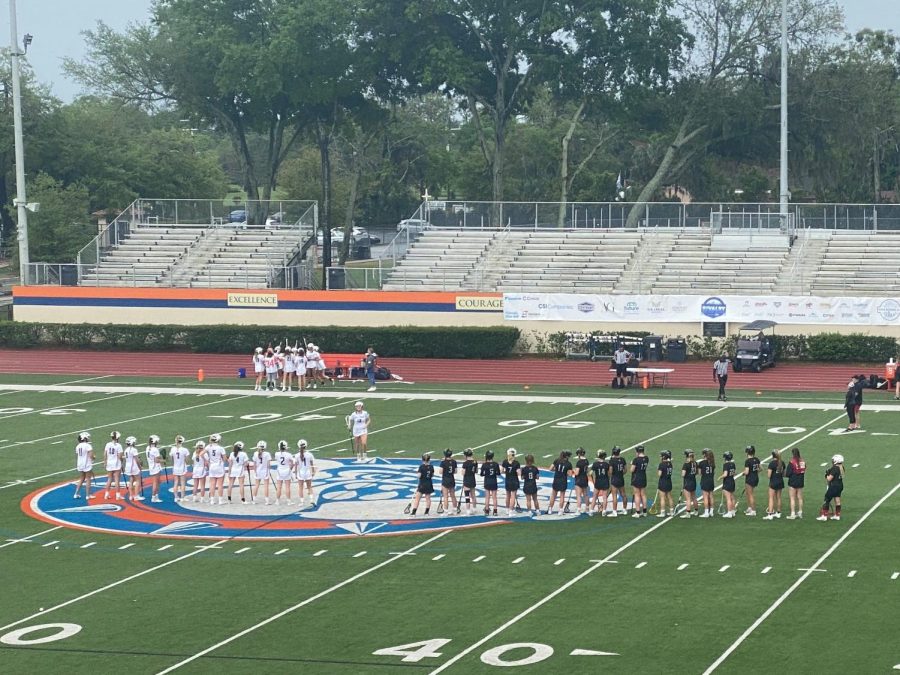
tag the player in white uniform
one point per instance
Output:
(284, 463)
(215, 454)
(262, 463)
(113, 454)
(321, 365)
(271, 364)
(300, 367)
(312, 365)
(305, 469)
(179, 455)
(289, 367)
(133, 469)
(358, 423)
(84, 463)
(238, 464)
(198, 471)
(154, 466)
(259, 367)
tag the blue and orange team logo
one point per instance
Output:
(350, 499)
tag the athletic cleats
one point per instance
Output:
(769, 516)
(612, 514)
(661, 515)
(793, 516)
(139, 498)
(705, 514)
(686, 514)
(635, 515)
(835, 517)
(823, 517)
(371, 389)
(155, 500)
(89, 496)
(750, 512)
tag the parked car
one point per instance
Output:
(238, 216)
(360, 233)
(275, 219)
(413, 225)
(337, 236)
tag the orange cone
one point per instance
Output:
(645, 382)
(200, 375)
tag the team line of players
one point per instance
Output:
(600, 486)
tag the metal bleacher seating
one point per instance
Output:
(440, 260)
(858, 263)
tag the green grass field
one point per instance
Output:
(559, 595)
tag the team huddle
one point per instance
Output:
(599, 486)
(285, 367)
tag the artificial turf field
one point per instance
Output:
(558, 595)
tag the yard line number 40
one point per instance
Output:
(534, 652)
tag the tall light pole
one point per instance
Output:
(20, 201)
(783, 188)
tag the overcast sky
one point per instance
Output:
(57, 26)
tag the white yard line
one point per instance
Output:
(29, 537)
(784, 596)
(67, 404)
(102, 589)
(303, 603)
(612, 556)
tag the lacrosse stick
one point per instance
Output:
(654, 507)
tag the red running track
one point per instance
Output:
(785, 377)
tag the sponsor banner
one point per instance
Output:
(847, 311)
(243, 299)
(479, 303)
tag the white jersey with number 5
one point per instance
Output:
(216, 457)
(113, 454)
(359, 422)
(83, 457)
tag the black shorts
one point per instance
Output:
(449, 484)
(617, 481)
(602, 485)
(469, 482)
(707, 485)
(664, 485)
(490, 486)
(796, 481)
(530, 487)
(560, 485)
(752, 479)
(833, 492)
(728, 485)
(639, 481)
(690, 487)
(621, 369)
(425, 488)
(776, 484)
(582, 483)
(512, 486)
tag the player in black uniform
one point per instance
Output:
(426, 486)
(751, 479)
(835, 478)
(470, 470)
(448, 482)
(489, 471)
(775, 472)
(600, 478)
(639, 482)
(582, 468)
(795, 471)
(530, 475)
(707, 469)
(664, 485)
(618, 467)
(729, 470)
(511, 469)
(689, 489)
(562, 469)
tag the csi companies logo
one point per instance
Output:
(889, 310)
(264, 300)
(479, 303)
(586, 307)
(713, 308)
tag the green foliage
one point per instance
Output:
(854, 347)
(62, 226)
(405, 341)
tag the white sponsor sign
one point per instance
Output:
(694, 308)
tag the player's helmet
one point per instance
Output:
(358, 404)
(131, 440)
(115, 435)
(775, 454)
(200, 445)
(179, 438)
(688, 453)
(837, 459)
(511, 452)
(750, 449)
(426, 457)
(639, 448)
(301, 444)
(616, 450)
(601, 454)
(728, 456)
(259, 350)
(580, 452)
(83, 437)
(215, 438)
(467, 452)
(666, 454)
(153, 440)
(310, 345)
(282, 445)
(448, 453)
(262, 445)
(489, 454)
(239, 446)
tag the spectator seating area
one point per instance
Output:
(858, 263)
(442, 260)
(185, 256)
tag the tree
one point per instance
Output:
(62, 226)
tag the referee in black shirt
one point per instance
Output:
(720, 373)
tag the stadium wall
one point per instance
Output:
(194, 306)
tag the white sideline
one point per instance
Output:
(775, 605)
(456, 397)
(110, 585)
(394, 557)
(588, 571)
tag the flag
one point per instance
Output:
(619, 181)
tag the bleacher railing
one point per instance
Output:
(615, 215)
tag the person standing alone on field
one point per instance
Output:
(369, 363)
(720, 373)
(621, 357)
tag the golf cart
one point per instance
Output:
(755, 349)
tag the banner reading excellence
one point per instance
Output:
(878, 311)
